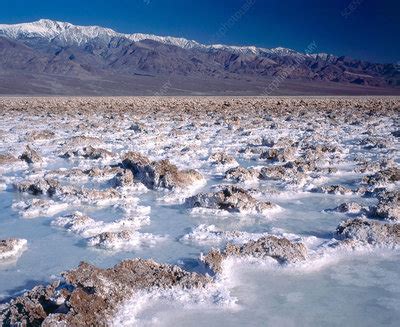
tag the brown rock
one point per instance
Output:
(230, 198)
(281, 249)
(91, 295)
(241, 174)
(159, 174)
(369, 231)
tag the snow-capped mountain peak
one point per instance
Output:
(41, 28)
(64, 33)
(67, 34)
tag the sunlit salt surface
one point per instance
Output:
(353, 289)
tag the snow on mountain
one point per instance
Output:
(237, 49)
(64, 33)
(67, 34)
(43, 28)
(180, 42)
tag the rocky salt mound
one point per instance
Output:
(281, 249)
(383, 177)
(120, 234)
(81, 141)
(89, 153)
(124, 178)
(105, 153)
(11, 248)
(389, 205)
(222, 158)
(221, 161)
(159, 174)
(369, 232)
(40, 135)
(90, 196)
(241, 175)
(75, 223)
(75, 194)
(31, 156)
(333, 189)
(279, 155)
(33, 208)
(349, 207)
(39, 186)
(204, 234)
(231, 199)
(7, 159)
(123, 240)
(90, 295)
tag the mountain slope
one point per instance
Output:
(61, 52)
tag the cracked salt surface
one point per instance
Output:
(292, 151)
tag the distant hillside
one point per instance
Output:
(49, 57)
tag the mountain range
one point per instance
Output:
(48, 57)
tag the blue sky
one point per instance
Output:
(365, 29)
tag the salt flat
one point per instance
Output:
(280, 210)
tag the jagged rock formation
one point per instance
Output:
(370, 232)
(333, 189)
(241, 174)
(11, 248)
(389, 175)
(159, 174)
(91, 295)
(281, 249)
(39, 186)
(389, 205)
(230, 198)
(223, 159)
(349, 207)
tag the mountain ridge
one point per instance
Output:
(51, 29)
(93, 53)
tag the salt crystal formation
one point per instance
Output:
(369, 231)
(281, 249)
(231, 199)
(10, 248)
(91, 295)
(106, 171)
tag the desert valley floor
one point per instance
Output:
(200, 211)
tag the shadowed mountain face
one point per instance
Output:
(48, 57)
